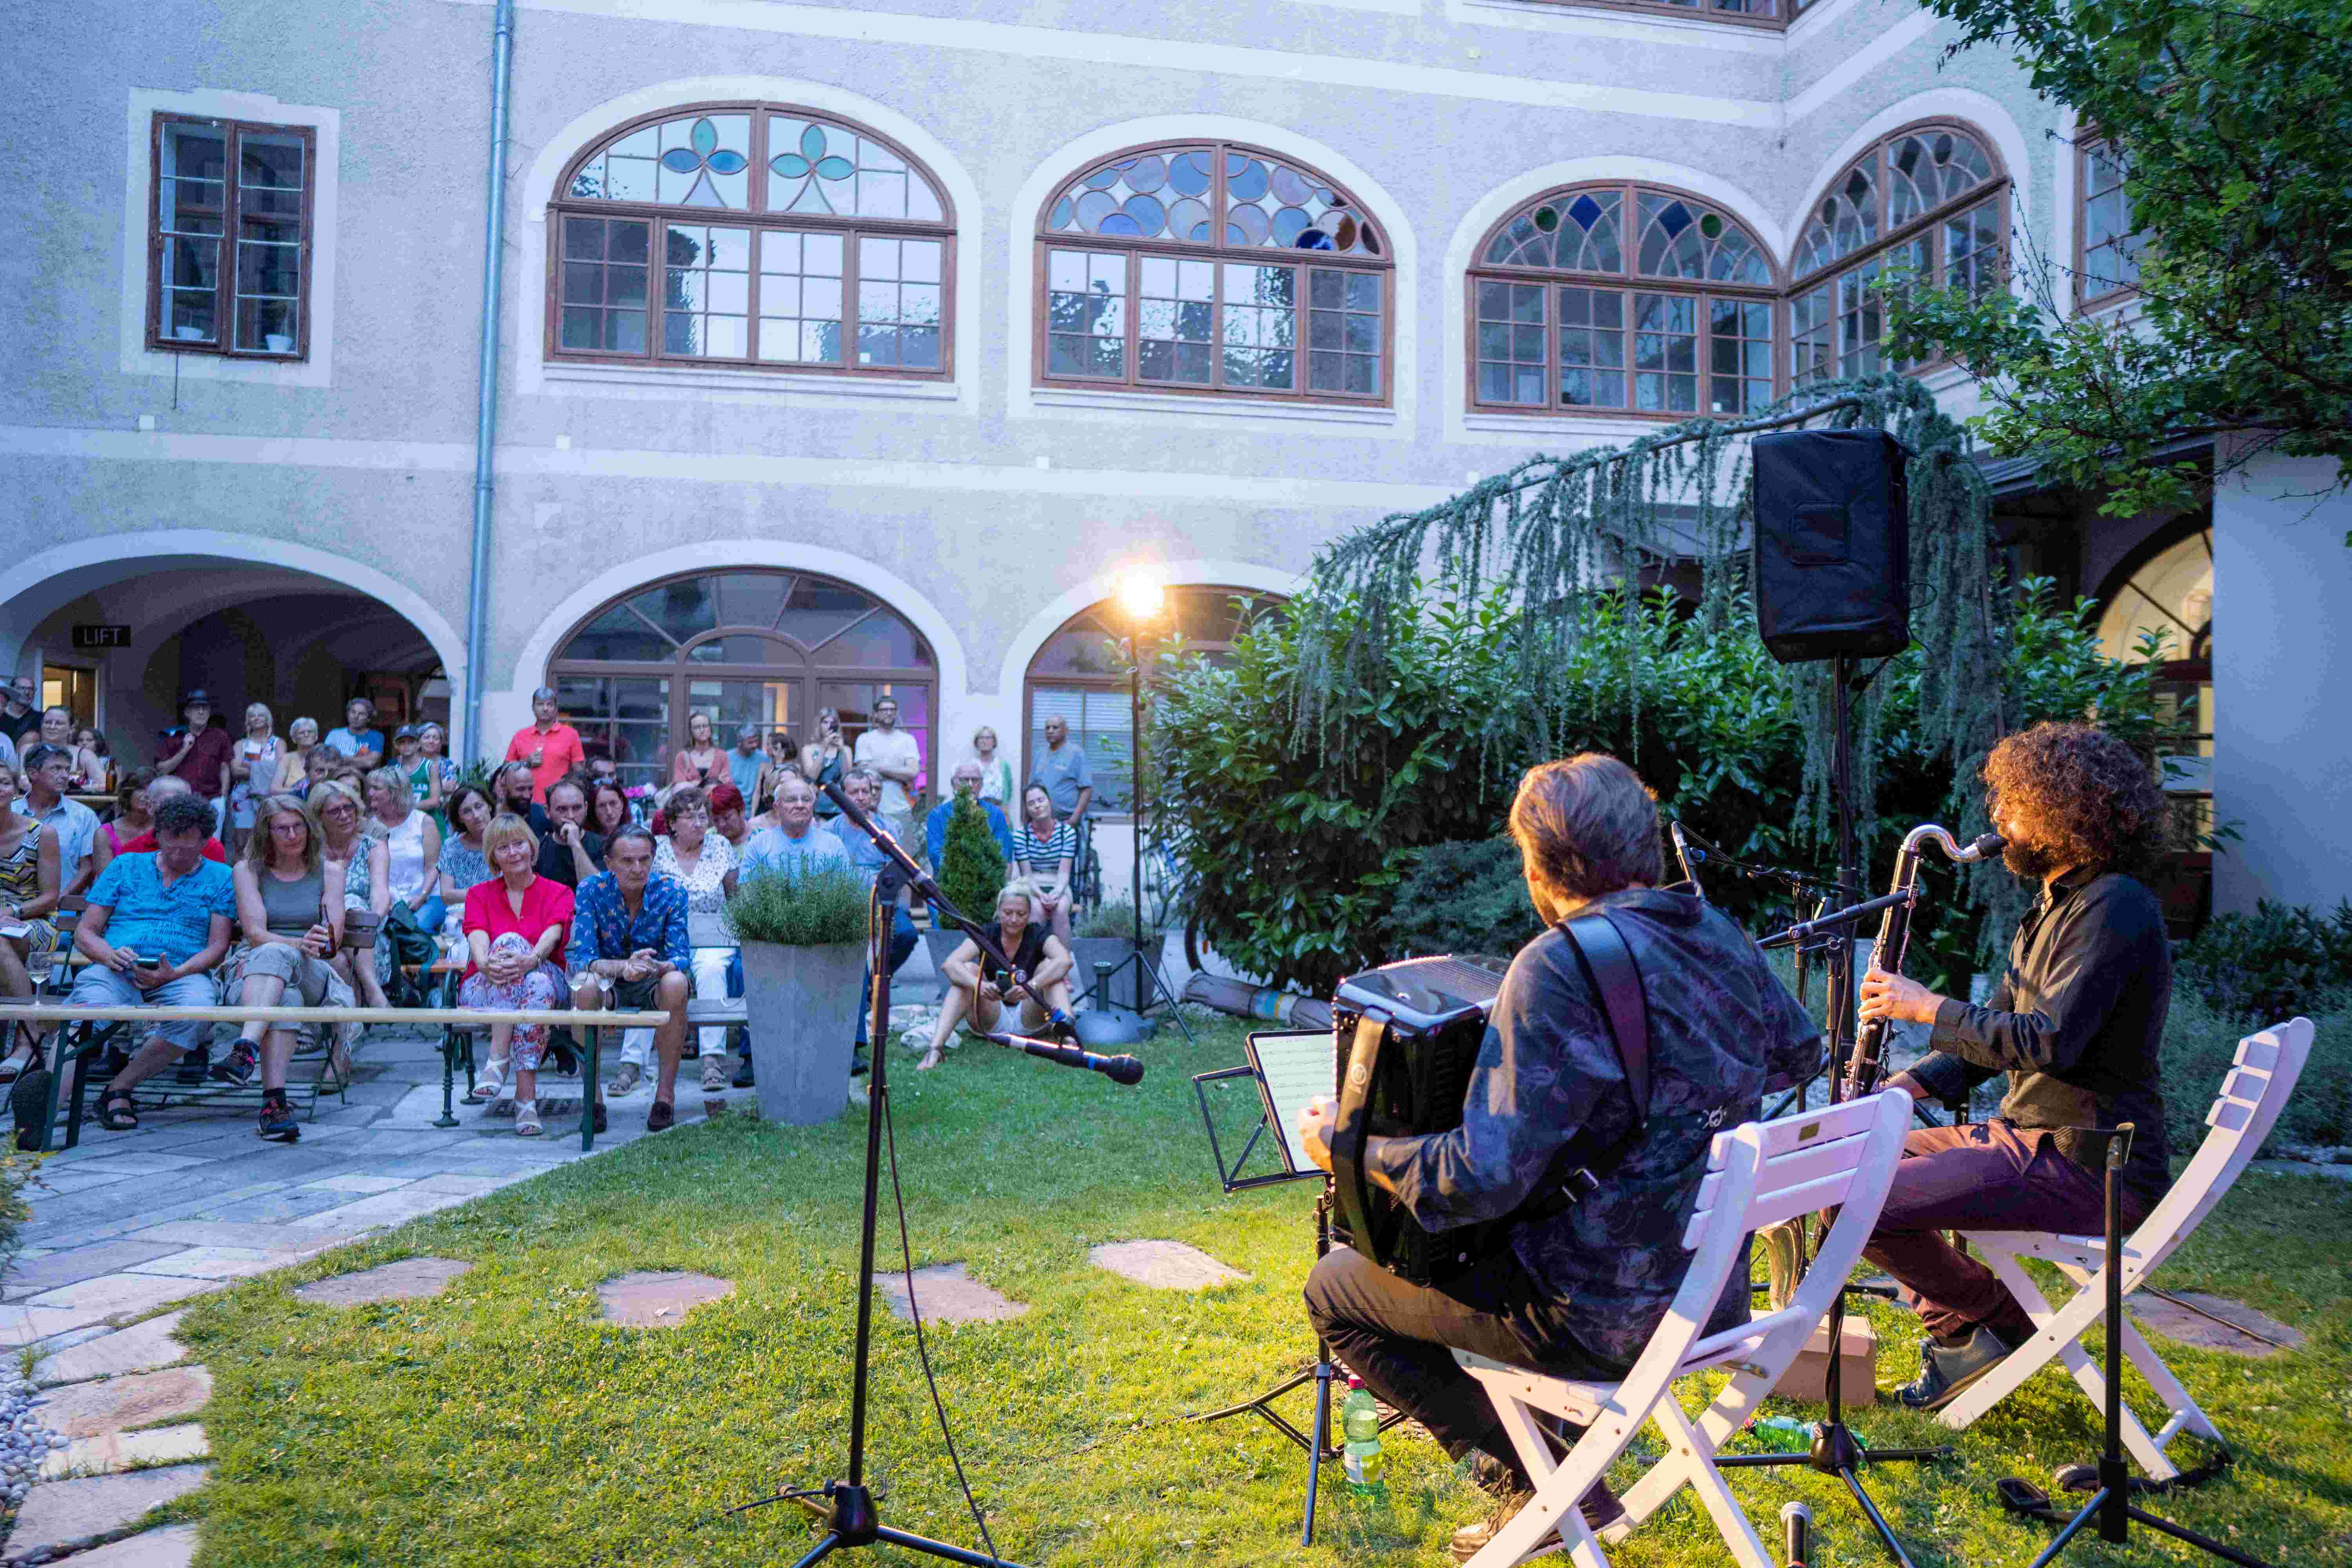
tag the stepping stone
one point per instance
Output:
(173, 1546)
(60, 1516)
(946, 1293)
(411, 1278)
(1166, 1265)
(2177, 1323)
(644, 1301)
(110, 1404)
(138, 1348)
(122, 1450)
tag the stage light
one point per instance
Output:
(1142, 598)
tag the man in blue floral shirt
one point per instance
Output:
(629, 951)
(1579, 1293)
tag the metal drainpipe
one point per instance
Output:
(485, 418)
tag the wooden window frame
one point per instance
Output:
(224, 282)
(1219, 256)
(1698, 13)
(2122, 293)
(1628, 282)
(757, 219)
(1928, 226)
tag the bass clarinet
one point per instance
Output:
(1869, 1062)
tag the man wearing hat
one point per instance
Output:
(197, 753)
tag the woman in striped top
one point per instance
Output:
(1043, 850)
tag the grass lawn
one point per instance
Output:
(504, 1423)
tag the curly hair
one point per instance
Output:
(2086, 794)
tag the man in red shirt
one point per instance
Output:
(145, 844)
(547, 743)
(198, 753)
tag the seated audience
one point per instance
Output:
(826, 760)
(439, 773)
(703, 863)
(572, 851)
(47, 772)
(700, 757)
(359, 742)
(967, 780)
(252, 770)
(746, 764)
(464, 861)
(412, 846)
(783, 757)
(515, 788)
(517, 924)
(29, 898)
(1044, 850)
(978, 989)
(163, 788)
(629, 953)
(363, 956)
(797, 843)
(129, 819)
(608, 806)
(156, 925)
(93, 763)
(289, 911)
(864, 787)
(294, 762)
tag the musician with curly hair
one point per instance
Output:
(1579, 1289)
(2075, 1022)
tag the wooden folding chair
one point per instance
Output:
(1758, 1174)
(2252, 1095)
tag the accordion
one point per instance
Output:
(1406, 1037)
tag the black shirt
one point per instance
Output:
(1026, 958)
(555, 856)
(2077, 1023)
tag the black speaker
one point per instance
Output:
(1832, 550)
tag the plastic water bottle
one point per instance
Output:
(1783, 1435)
(1360, 1424)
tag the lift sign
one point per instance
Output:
(102, 636)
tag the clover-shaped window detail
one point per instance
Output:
(816, 167)
(702, 157)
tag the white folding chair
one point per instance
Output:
(2252, 1097)
(1758, 1174)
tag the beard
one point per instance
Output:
(2028, 859)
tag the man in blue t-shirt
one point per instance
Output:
(155, 927)
(935, 823)
(358, 739)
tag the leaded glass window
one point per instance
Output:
(1685, 328)
(2110, 246)
(1180, 268)
(787, 240)
(1927, 206)
(229, 238)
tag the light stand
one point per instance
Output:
(1834, 1450)
(2110, 1504)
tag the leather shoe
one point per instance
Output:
(597, 1120)
(1946, 1371)
(661, 1117)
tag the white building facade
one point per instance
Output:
(846, 350)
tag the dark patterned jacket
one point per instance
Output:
(1720, 1025)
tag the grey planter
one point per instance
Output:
(1090, 950)
(942, 945)
(802, 1003)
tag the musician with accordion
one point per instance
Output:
(2077, 1022)
(1580, 1194)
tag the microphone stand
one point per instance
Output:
(847, 1507)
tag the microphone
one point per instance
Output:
(1797, 1525)
(1118, 1069)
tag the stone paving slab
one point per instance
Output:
(77, 1180)
(119, 1451)
(21, 1326)
(214, 1263)
(136, 1162)
(946, 1293)
(398, 1208)
(138, 1348)
(2177, 1323)
(69, 1265)
(357, 1184)
(114, 1403)
(117, 1295)
(66, 1514)
(173, 1546)
(410, 1278)
(276, 1238)
(644, 1300)
(1166, 1265)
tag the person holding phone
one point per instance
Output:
(825, 759)
(156, 926)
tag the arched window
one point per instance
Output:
(1621, 297)
(2161, 597)
(745, 647)
(1928, 203)
(1079, 676)
(1179, 268)
(2107, 248)
(751, 235)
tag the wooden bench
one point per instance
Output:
(97, 1025)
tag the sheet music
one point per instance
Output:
(1294, 1068)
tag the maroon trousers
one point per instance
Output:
(1980, 1175)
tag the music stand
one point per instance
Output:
(1289, 1068)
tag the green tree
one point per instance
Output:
(2235, 124)
(972, 863)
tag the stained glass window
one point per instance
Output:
(229, 237)
(836, 255)
(1703, 343)
(1160, 271)
(1892, 221)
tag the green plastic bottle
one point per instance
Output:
(1360, 1425)
(1783, 1435)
